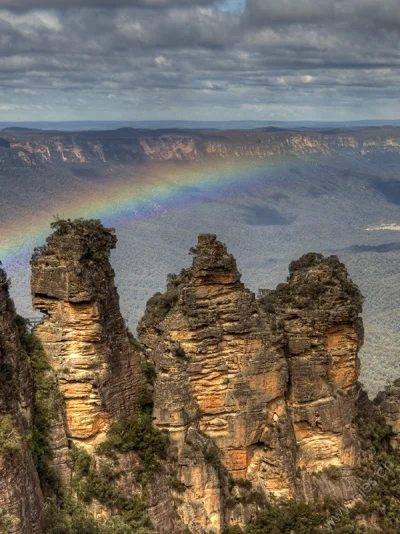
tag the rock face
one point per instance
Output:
(389, 407)
(258, 395)
(318, 313)
(255, 389)
(35, 148)
(83, 333)
(21, 501)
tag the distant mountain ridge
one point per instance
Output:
(188, 124)
(34, 147)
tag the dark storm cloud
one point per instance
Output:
(63, 4)
(289, 59)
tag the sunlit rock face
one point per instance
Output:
(20, 495)
(255, 389)
(129, 145)
(83, 333)
(318, 312)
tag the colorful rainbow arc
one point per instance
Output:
(134, 197)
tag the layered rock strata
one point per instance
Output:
(127, 145)
(255, 389)
(83, 332)
(318, 314)
(21, 502)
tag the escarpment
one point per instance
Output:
(21, 502)
(130, 145)
(83, 332)
(255, 389)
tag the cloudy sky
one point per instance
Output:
(199, 59)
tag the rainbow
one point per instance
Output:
(135, 195)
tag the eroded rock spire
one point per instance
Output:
(83, 332)
(255, 389)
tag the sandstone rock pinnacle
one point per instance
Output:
(83, 331)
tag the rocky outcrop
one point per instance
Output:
(21, 502)
(254, 391)
(388, 403)
(83, 332)
(317, 312)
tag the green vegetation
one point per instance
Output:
(177, 485)
(10, 440)
(373, 431)
(92, 482)
(47, 407)
(66, 512)
(160, 304)
(334, 472)
(290, 517)
(136, 434)
(147, 389)
(242, 483)
(101, 239)
(4, 281)
(135, 344)
(178, 351)
(8, 383)
(8, 522)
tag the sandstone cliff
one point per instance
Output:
(21, 502)
(83, 332)
(227, 400)
(36, 147)
(318, 314)
(255, 391)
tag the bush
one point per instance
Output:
(147, 388)
(48, 403)
(136, 434)
(243, 483)
(334, 472)
(178, 351)
(10, 440)
(81, 460)
(8, 522)
(177, 485)
(8, 384)
(101, 239)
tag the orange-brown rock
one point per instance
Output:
(254, 389)
(21, 501)
(83, 333)
(318, 313)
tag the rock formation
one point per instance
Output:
(257, 395)
(83, 332)
(255, 389)
(318, 313)
(389, 406)
(21, 503)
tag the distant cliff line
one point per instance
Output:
(129, 145)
